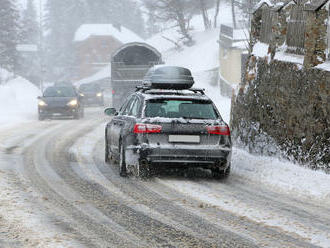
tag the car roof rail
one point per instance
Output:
(144, 88)
(197, 90)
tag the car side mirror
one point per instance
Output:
(39, 97)
(110, 111)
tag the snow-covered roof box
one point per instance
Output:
(121, 33)
(168, 77)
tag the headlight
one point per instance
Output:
(99, 94)
(42, 103)
(81, 94)
(73, 103)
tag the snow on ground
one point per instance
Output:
(282, 175)
(18, 101)
(324, 66)
(23, 224)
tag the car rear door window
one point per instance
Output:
(177, 108)
(135, 107)
(128, 107)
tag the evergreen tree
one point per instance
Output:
(8, 34)
(29, 66)
(125, 12)
(62, 20)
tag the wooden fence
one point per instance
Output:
(266, 33)
(295, 37)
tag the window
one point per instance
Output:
(125, 107)
(177, 108)
(266, 25)
(135, 107)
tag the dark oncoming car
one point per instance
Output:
(166, 124)
(60, 101)
(92, 93)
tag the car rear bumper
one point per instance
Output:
(176, 157)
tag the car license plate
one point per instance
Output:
(57, 114)
(184, 138)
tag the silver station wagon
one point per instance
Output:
(166, 125)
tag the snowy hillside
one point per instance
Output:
(18, 101)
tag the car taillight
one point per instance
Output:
(147, 128)
(220, 130)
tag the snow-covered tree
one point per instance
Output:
(9, 34)
(177, 11)
(62, 20)
(123, 12)
(29, 62)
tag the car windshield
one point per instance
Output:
(177, 108)
(89, 88)
(59, 92)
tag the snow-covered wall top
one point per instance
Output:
(122, 34)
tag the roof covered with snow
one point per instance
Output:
(103, 73)
(122, 34)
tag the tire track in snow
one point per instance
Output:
(138, 203)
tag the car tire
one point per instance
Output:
(143, 171)
(106, 150)
(41, 118)
(122, 162)
(221, 174)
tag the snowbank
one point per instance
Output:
(200, 57)
(18, 101)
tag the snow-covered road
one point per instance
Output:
(56, 191)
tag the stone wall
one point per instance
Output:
(285, 110)
(315, 37)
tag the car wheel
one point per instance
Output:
(106, 151)
(144, 170)
(221, 174)
(122, 163)
(41, 118)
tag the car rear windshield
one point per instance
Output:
(177, 108)
(59, 92)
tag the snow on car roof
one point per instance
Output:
(122, 34)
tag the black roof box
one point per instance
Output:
(168, 77)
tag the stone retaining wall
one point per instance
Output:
(285, 110)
